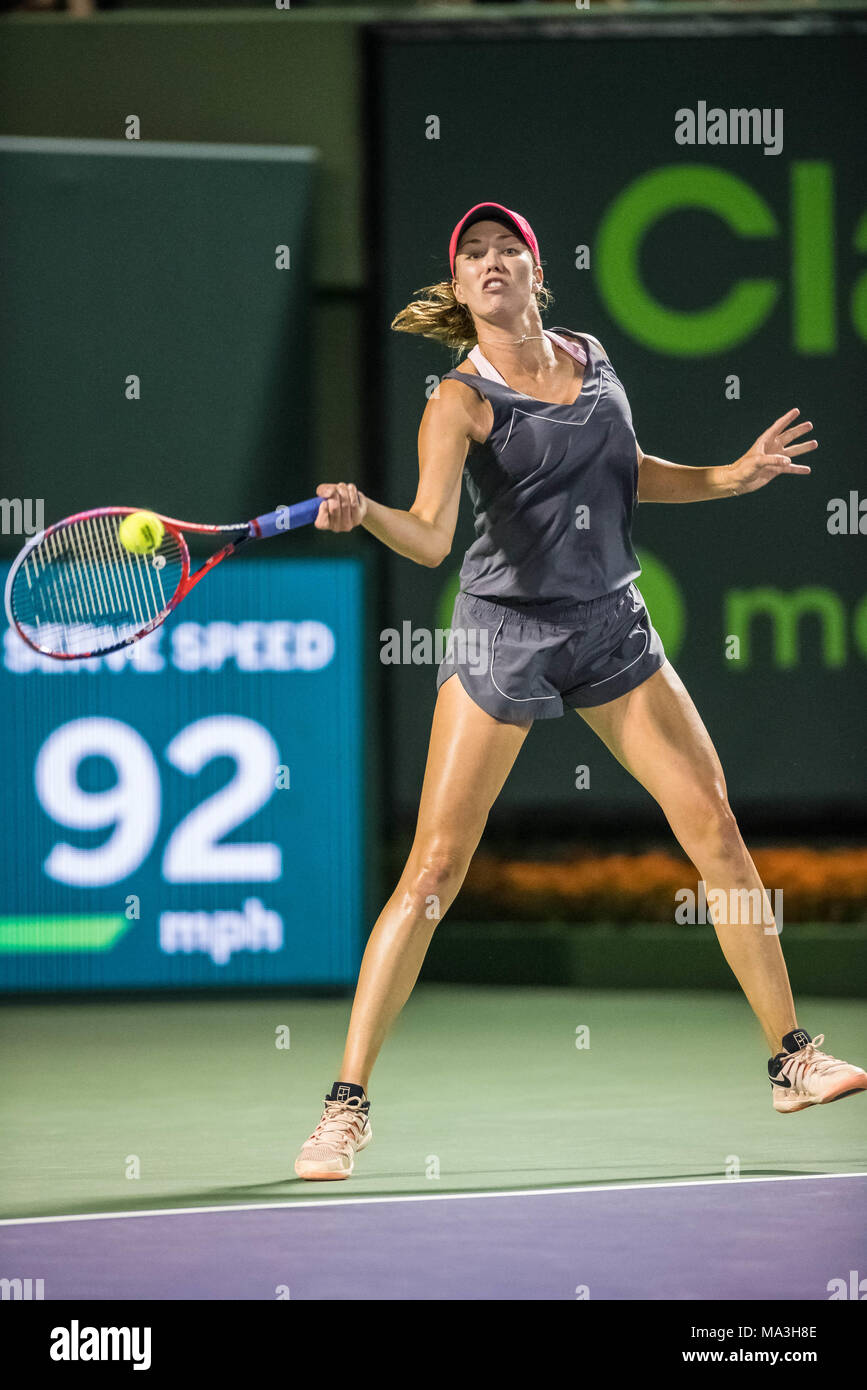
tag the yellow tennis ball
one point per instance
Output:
(141, 532)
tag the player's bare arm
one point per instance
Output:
(770, 455)
(425, 532)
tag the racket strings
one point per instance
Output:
(80, 590)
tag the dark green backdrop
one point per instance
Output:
(706, 262)
(156, 260)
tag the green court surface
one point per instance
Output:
(483, 1086)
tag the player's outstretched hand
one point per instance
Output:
(772, 454)
(344, 507)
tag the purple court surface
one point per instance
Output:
(773, 1239)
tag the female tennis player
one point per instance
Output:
(539, 422)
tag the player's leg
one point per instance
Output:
(656, 733)
(469, 758)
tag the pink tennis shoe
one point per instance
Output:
(801, 1075)
(343, 1132)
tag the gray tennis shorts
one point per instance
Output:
(530, 662)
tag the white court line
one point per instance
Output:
(307, 1203)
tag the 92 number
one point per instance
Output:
(132, 805)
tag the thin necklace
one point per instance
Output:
(510, 342)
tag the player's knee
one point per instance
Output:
(714, 829)
(436, 874)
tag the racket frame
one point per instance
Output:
(243, 531)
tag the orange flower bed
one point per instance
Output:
(817, 885)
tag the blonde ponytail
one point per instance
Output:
(437, 314)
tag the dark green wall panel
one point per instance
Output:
(288, 78)
(158, 262)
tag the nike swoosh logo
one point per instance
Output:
(784, 1084)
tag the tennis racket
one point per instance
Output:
(76, 590)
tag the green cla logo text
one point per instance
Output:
(748, 303)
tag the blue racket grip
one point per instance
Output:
(288, 518)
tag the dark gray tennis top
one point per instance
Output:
(553, 488)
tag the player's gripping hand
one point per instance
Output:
(344, 507)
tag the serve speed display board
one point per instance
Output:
(187, 811)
